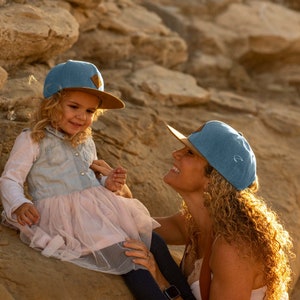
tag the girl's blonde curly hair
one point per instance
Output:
(50, 113)
(242, 218)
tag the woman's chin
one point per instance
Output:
(168, 178)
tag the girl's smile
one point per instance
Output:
(78, 111)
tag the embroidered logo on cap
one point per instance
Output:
(237, 158)
(97, 81)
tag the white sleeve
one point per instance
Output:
(22, 156)
(103, 180)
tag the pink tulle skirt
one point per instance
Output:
(88, 227)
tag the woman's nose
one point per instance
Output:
(176, 154)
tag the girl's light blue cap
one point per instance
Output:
(225, 149)
(80, 76)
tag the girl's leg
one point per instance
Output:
(169, 267)
(142, 285)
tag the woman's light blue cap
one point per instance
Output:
(225, 149)
(80, 76)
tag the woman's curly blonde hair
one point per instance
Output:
(243, 218)
(50, 113)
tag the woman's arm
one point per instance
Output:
(233, 273)
(142, 256)
(173, 229)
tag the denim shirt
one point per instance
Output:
(60, 168)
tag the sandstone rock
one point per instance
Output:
(86, 3)
(183, 63)
(233, 102)
(5, 295)
(263, 29)
(3, 77)
(181, 91)
(276, 118)
(26, 274)
(129, 32)
(29, 33)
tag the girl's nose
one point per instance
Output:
(81, 116)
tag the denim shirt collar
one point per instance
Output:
(55, 132)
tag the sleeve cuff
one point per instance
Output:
(103, 180)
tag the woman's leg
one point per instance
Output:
(141, 282)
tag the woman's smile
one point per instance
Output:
(175, 170)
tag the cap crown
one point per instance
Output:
(73, 74)
(82, 76)
(227, 151)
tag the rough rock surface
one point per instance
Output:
(174, 61)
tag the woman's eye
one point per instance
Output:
(190, 152)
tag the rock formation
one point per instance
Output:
(174, 61)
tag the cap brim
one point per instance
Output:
(183, 139)
(107, 100)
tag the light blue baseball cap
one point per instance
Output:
(225, 149)
(80, 76)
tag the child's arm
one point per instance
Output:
(20, 161)
(115, 179)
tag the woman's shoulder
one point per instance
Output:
(233, 250)
(230, 258)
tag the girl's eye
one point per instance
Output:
(90, 111)
(73, 106)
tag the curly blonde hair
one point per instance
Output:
(49, 113)
(243, 218)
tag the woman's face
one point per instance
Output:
(188, 172)
(78, 111)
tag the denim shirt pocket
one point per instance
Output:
(56, 155)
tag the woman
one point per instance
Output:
(236, 247)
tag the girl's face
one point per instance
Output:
(78, 111)
(188, 172)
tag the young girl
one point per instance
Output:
(71, 215)
(75, 213)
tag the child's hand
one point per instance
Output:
(116, 179)
(27, 214)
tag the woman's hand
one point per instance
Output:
(142, 256)
(27, 214)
